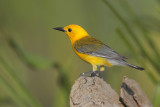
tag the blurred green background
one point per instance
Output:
(37, 64)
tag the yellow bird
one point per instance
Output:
(92, 50)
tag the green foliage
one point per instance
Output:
(40, 63)
(15, 88)
(156, 102)
(147, 38)
(33, 61)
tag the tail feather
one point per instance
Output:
(133, 66)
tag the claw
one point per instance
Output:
(82, 74)
(91, 74)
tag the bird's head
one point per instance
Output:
(74, 32)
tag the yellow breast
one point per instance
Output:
(93, 59)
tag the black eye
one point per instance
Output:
(69, 30)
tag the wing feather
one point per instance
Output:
(91, 46)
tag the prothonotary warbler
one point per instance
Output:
(92, 50)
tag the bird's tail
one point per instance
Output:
(133, 66)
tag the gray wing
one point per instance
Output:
(97, 48)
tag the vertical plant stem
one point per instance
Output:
(18, 85)
(143, 30)
(131, 47)
(128, 44)
(12, 93)
(155, 65)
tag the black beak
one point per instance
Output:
(60, 29)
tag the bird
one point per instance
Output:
(92, 50)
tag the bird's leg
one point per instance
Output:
(94, 72)
(102, 68)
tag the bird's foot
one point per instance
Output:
(91, 74)
(86, 74)
(96, 73)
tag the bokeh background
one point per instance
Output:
(37, 64)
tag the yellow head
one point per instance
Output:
(74, 32)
